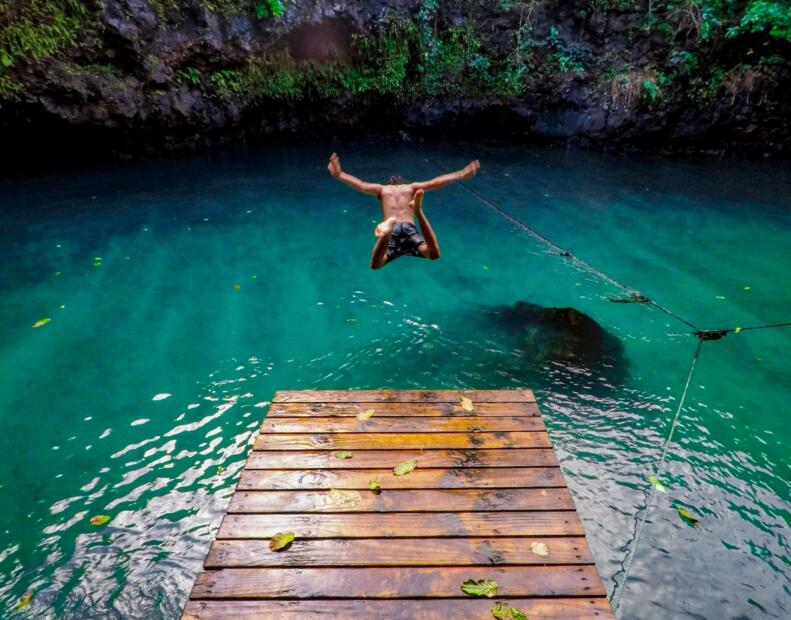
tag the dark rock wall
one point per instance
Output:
(126, 75)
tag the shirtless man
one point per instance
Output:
(401, 202)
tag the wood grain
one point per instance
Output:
(463, 478)
(469, 424)
(402, 524)
(351, 609)
(378, 396)
(394, 582)
(398, 552)
(429, 500)
(401, 441)
(401, 409)
(373, 459)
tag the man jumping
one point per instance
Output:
(397, 235)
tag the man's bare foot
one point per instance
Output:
(385, 228)
(417, 201)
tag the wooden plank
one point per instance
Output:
(378, 396)
(428, 500)
(465, 478)
(372, 459)
(404, 409)
(398, 552)
(403, 425)
(350, 609)
(402, 524)
(402, 441)
(396, 582)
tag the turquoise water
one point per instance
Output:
(220, 279)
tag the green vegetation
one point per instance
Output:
(425, 56)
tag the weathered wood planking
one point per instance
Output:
(403, 500)
(401, 410)
(410, 396)
(487, 486)
(427, 609)
(383, 459)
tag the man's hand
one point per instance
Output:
(334, 167)
(470, 170)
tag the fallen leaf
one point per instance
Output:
(466, 404)
(237, 287)
(24, 600)
(374, 486)
(100, 519)
(365, 415)
(501, 611)
(220, 469)
(539, 548)
(281, 540)
(41, 322)
(162, 396)
(736, 330)
(658, 484)
(345, 498)
(343, 454)
(684, 514)
(402, 469)
(484, 587)
(746, 288)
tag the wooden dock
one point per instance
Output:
(486, 489)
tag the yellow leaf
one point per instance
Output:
(99, 519)
(501, 611)
(366, 415)
(484, 587)
(237, 287)
(685, 514)
(343, 454)
(220, 469)
(281, 540)
(344, 498)
(539, 548)
(467, 405)
(24, 600)
(374, 486)
(736, 330)
(402, 469)
(41, 322)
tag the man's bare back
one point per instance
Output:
(401, 203)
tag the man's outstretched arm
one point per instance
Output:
(334, 168)
(469, 171)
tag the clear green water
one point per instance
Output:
(82, 436)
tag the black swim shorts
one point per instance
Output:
(404, 241)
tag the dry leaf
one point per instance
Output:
(281, 540)
(374, 486)
(484, 587)
(41, 322)
(24, 600)
(684, 514)
(100, 519)
(343, 454)
(657, 483)
(345, 498)
(366, 415)
(539, 548)
(501, 611)
(402, 469)
(467, 405)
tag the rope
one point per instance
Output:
(615, 600)
(634, 294)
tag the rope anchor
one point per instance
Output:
(711, 334)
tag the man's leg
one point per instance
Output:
(429, 249)
(382, 232)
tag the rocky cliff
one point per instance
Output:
(161, 74)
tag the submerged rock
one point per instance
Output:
(562, 335)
